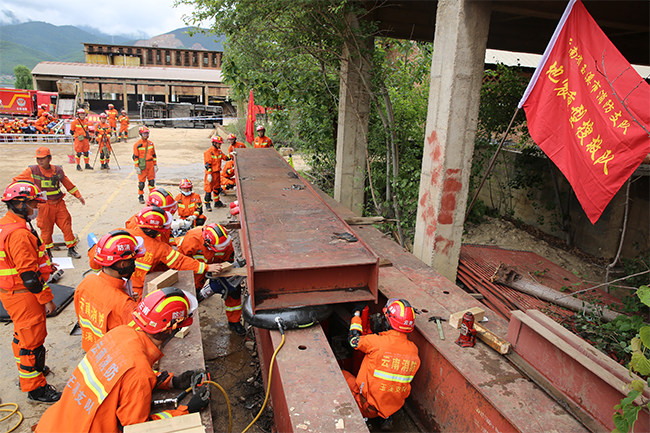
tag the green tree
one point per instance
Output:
(23, 77)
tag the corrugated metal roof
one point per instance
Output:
(91, 70)
(527, 60)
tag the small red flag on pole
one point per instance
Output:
(588, 110)
(250, 119)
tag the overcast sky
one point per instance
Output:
(113, 17)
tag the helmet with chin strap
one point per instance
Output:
(163, 199)
(400, 315)
(118, 245)
(216, 238)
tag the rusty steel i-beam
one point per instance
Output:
(299, 252)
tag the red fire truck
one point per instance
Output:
(21, 102)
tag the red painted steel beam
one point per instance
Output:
(298, 250)
(584, 375)
(308, 390)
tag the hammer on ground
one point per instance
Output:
(439, 321)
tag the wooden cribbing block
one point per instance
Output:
(488, 337)
(190, 423)
(456, 319)
(166, 279)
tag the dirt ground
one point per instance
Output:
(111, 198)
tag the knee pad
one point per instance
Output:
(235, 294)
(79, 154)
(86, 154)
(39, 354)
(152, 183)
(140, 185)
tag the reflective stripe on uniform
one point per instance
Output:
(5, 272)
(356, 327)
(235, 308)
(172, 257)
(162, 415)
(392, 376)
(143, 266)
(202, 268)
(73, 190)
(85, 323)
(199, 257)
(29, 375)
(91, 379)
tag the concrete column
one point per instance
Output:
(352, 135)
(456, 76)
(167, 90)
(125, 100)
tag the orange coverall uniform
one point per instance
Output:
(124, 127)
(189, 205)
(386, 372)
(236, 145)
(79, 128)
(262, 142)
(212, 159)
(159, 252)
(101, 303)
(192, 245)
(112, 119)
(41, 124)
(228, 175)
(21, 251)
(103, 137)
(110, 388)
(54, 211)
(144, 157)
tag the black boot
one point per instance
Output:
(141, 198)
(78, 167)
(208, 206)
(237, 328)
(218, 203)
(72, 252)
(45, 394)
(88, 167)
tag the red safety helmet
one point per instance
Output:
(123, 110)
(185, 183)
(167, 308)
(260, 128)
(111, 106)
(143, 129)
(43, 105)
(118, 245)
(232, 137)
(163, 199)
(153, 217)
(230, 171)
(400, 315)
(217, 139)
(81, 111)
(24, 191)
(216, 238)
(103, 116)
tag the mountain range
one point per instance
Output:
(32, 42)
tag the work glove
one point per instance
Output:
(358, 306)
(200, 400)
(155, 168)
(209, 178)
(184, 380)
(138, 170)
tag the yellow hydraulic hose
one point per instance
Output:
(268, 386)
(11, 412)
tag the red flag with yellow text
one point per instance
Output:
(250, 119)
(588, 110)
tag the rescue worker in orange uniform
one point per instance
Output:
(103, 137)
(24, 270)
(212, 159)
(390, 362)
(233, 144)
(162, 198)
(79, 129)
(49, 179)
(262, 140)
(228, 175)
(213, 244)
(146, 165)
(42, 109)
(104, 301)
(124, 127)
(42, 122)
(190, 206)
(112, 118)
(151, 221)
(112, 386)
